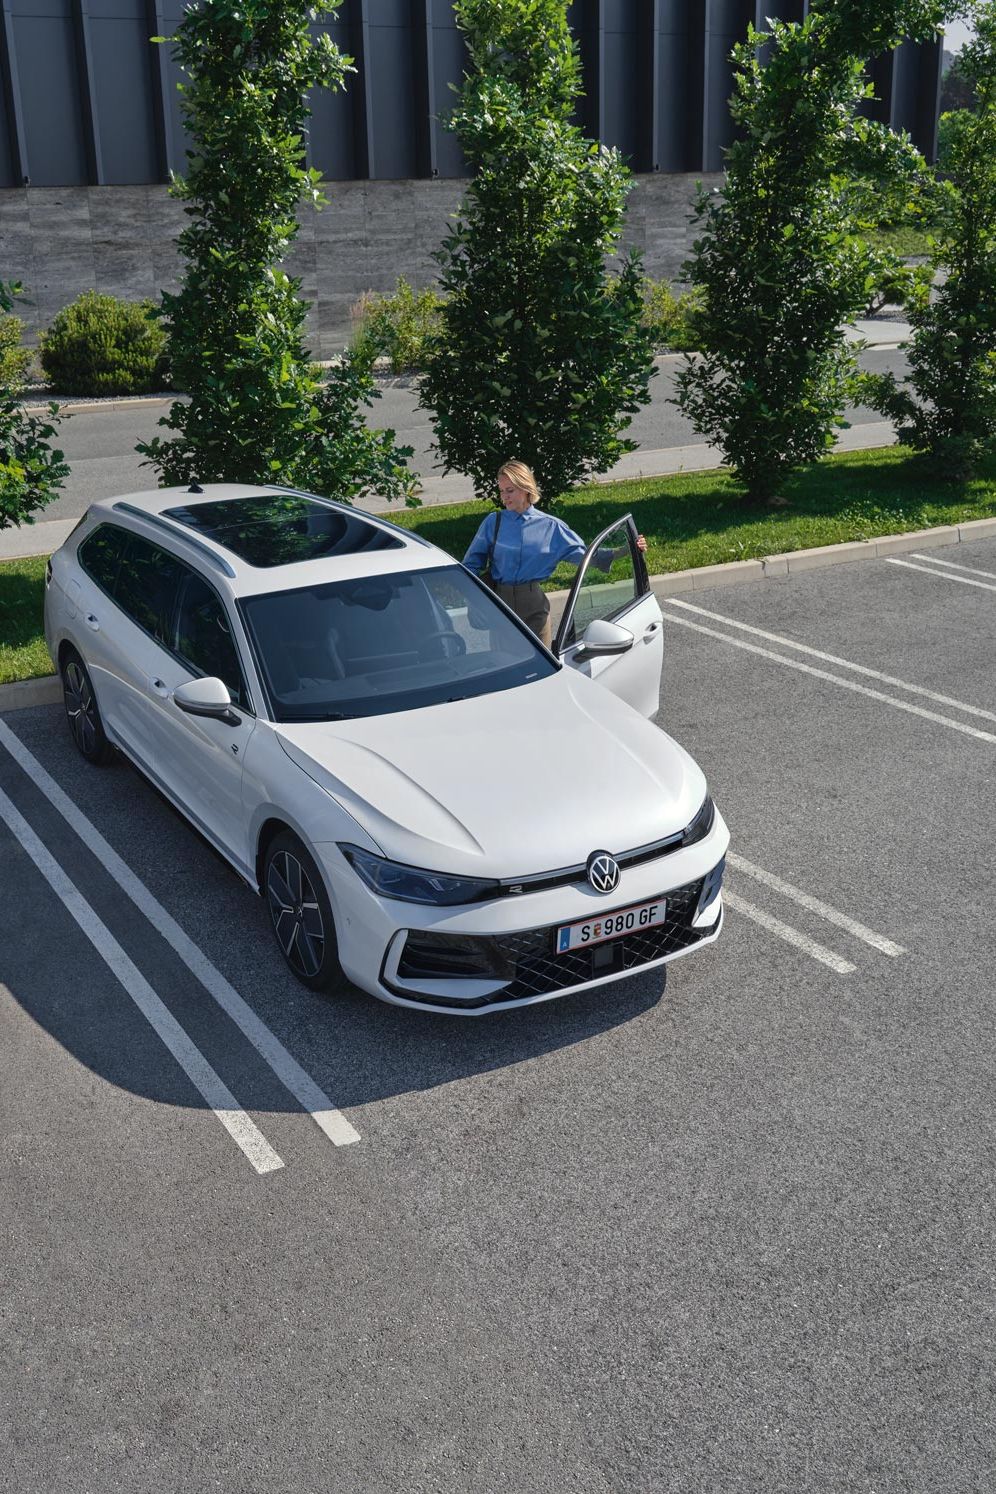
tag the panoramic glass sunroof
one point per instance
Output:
(280, 528)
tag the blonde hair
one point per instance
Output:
(523, 478)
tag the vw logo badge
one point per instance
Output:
(603, 871)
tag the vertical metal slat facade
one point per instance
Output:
(88, 99)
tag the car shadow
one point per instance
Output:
(356, 1048)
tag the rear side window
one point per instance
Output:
(100, 556)
(147, 585)
(142, 578)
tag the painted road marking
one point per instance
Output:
(290, 1073)
(815, 653)
(242, 1129)
(952, 565)
(821, 909)
(942, 575)
(790, 935)
(835, 679)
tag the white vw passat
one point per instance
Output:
(428, 799)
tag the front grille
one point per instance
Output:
(543, 881)
(529, 963)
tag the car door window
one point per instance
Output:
(610, 579)
(146, 586)
(203, 637)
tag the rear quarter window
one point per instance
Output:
(141, 577)
(100, 556)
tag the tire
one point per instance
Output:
(301, 914)
(82, 712)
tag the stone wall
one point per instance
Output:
(61, 241)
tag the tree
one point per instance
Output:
(31, 470)
(779, 259)
(257, 410)
(957, 88)
(947, 409)
(537, 356)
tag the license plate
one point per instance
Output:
(610, 925)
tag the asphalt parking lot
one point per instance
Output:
(731, 1232)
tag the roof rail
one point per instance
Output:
(178, 531)
(274, 487)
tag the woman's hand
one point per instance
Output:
(641, 543)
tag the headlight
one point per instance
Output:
(702, 823)
(411, 884)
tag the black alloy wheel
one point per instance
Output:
(301, 913)
(82, 713)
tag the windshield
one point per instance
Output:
(379, 644)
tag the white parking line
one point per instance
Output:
(952, 565)
(816, 653)
(929, 571)
(290, 1073)
(242, 1129)
(821, 909)
(789, 934)
(835, 679)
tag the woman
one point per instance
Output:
(528, 548)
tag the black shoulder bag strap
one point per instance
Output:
(487, 575)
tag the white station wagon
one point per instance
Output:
(429, 800)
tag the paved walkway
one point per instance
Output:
(47, 535)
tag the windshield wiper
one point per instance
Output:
(325, 716)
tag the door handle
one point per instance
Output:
(650, 630)
(160, 688)
(93, 622)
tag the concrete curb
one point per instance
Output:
(48, 690)
(69, 402)
(22, 693)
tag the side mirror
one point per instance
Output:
(603, 637)
(206, 697)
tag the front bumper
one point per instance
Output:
(521, 969)
(489, 957)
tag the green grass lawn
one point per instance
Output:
(23, 654)
(903, 238)
(700, 519)
(692, 520)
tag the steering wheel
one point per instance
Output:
(427, 638)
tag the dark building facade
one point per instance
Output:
(90, 129)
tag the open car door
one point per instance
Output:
(612, 627)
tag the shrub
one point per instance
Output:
(14, 359)
(537, 356)
(670, 319)
(100, 345)
(779, 252)
(946, 407)
(31, 469)
(256, 410)
(396, 327)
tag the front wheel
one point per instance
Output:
(301, 913)
(82, 713)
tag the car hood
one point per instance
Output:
(509, 784)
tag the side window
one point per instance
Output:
(611, 580)
(100, 556)
(204, 637)
(146, 586)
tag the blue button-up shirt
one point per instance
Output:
(530, 546)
